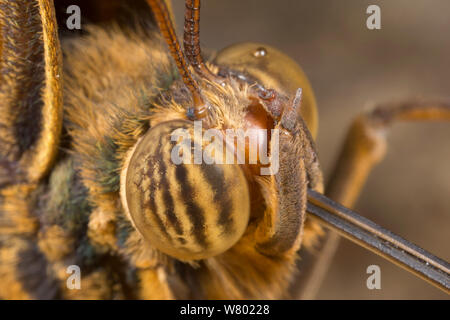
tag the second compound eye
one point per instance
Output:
(273, 70)
(188, 209)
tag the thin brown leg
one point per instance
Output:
(364, 147)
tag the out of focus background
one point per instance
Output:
(352, 68)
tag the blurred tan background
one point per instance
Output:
(351, 68)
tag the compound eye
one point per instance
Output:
(186, 208)
(273, 70)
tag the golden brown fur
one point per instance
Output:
(242, 272)
(118, 84)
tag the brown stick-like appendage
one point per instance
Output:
(379, 240)
(191, 39)
(165, 25)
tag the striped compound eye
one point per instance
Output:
(188, 209)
